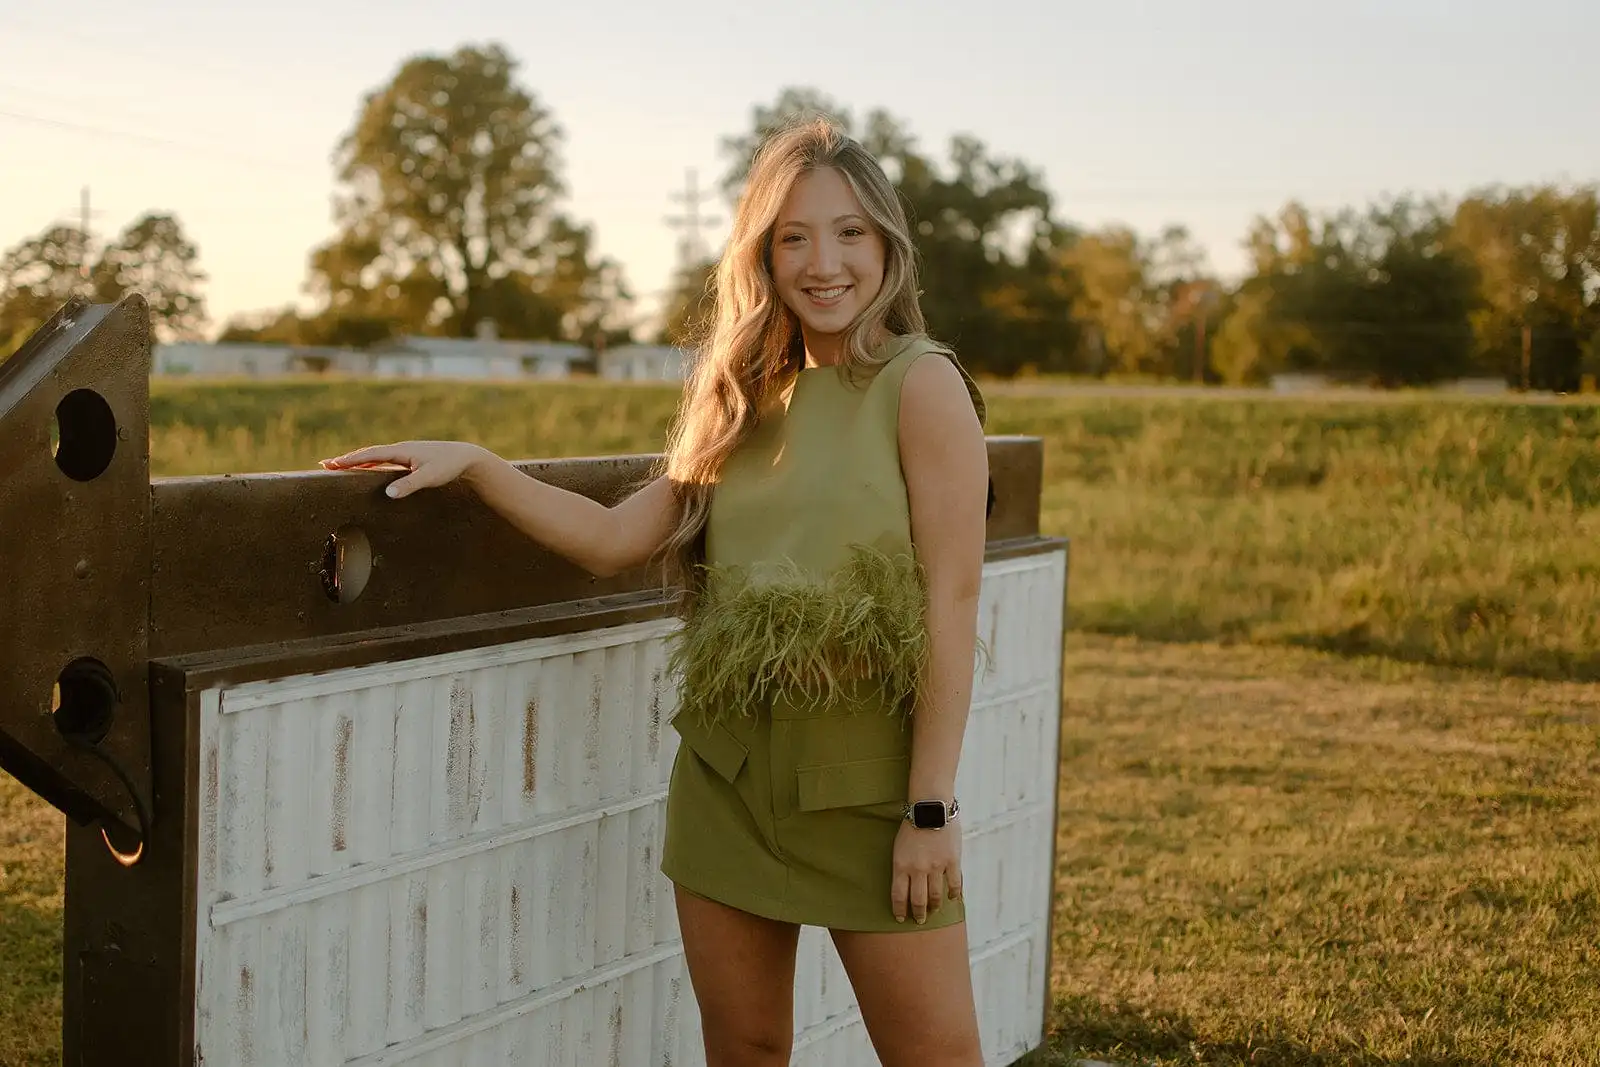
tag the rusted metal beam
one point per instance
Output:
(75, 553)
(255, 559)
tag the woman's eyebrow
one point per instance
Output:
(795, 225)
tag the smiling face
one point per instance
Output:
(827, 259)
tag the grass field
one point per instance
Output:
(1329, 750)
(1429, 531)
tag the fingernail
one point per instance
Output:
(899, 918)
(922, 920)
(391, 490)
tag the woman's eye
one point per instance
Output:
(853, 231)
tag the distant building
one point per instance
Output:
(317, 359)
(220, 360)
(1476, 386)
(247, 359)
(474, 358)
(1299, 383)
(653, 363)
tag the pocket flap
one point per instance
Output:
(853, 784)
(714, 743)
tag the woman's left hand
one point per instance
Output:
(926, 864)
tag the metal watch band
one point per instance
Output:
(948, 811)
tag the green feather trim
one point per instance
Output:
(792, 636)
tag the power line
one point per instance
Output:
(117, 110)
(691, 247)
(144, 138)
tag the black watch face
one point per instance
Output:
(927, 815)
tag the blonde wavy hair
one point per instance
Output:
(752, 350)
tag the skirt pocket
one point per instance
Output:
(715, 744)
(858, 783)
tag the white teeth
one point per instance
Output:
(828, 294)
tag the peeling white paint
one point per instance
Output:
(453, 859)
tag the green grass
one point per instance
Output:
(30, 928)
(1329, 754)
(1446, 532)
(1284, 858)
(1437, 533)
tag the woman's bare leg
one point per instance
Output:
(915, 992)
(742, 970)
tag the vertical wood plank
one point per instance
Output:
(327, 996)
(243, 831)
(442, 959)
(408, 938)
(412, 780)
(478, 943)
(489, 700)
(610, 889)
(371, 970)
(618, 710)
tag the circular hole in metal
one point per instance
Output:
(84, 437)
(84, 701)
(346, 564)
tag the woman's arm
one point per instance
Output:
(602, 540)
(946, 467)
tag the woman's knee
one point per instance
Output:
(742, 970)
(746, 1042)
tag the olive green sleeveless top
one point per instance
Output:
(811, 580)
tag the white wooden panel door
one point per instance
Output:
(454, 859)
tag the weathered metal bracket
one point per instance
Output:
(75, 563)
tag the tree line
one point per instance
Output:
(450, 213)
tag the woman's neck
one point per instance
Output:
(827, 350)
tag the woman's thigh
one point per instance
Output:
(915, 992)
(742, 970)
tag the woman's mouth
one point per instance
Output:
(826, 297)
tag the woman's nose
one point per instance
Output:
(825, 259)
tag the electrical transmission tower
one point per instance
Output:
(691, 246)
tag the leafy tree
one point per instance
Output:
(281, 327)
(152, 256)
(287, 326)
(448, 216)
(1537, 255)
(1253, 342)
(37, 276)
(690, 305)
(1382, 296)
(1113, 299)
(1144, 303)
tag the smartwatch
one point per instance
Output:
(931, 814)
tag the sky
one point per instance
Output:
(1140, 112)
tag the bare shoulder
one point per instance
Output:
(935, 404)
(945, 463)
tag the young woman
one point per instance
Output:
(823, 503)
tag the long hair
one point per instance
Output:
(753, 349)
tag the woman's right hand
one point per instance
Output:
(431, 463)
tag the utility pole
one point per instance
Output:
(1527, 356)
(85, 241)
(691, 249)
